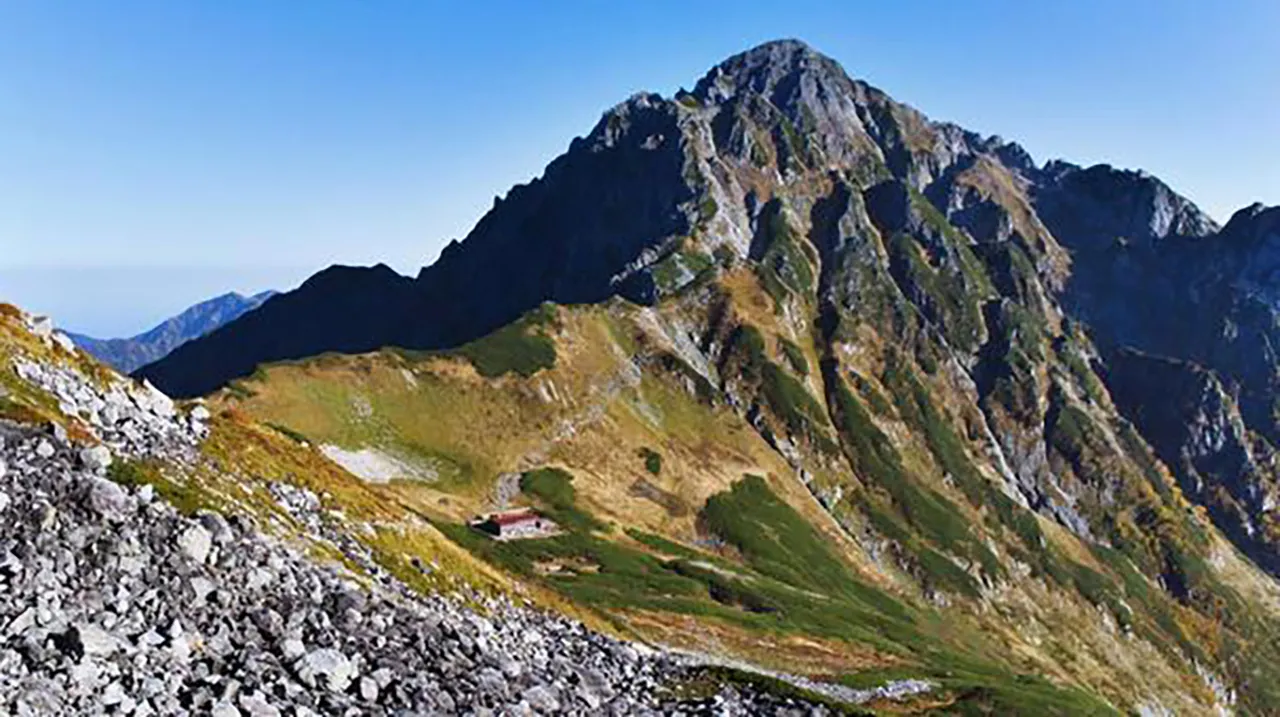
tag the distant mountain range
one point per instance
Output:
(130, 354)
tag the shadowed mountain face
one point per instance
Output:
(338, 309)
(884, 229)
(135, 352)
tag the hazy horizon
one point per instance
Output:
(136, 298)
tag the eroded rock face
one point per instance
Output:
(1193, 422)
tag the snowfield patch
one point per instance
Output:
(373, 465)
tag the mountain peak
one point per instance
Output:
(774, 69)
(787, 49)
(1254, 221)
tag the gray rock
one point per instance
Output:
(10, 564)
(96, 458)
(108, 499)
(113, 694)
(326, 667)
(195, 543)
(256, 705)
(23, 622)
(292, 648)
(541, 698)
(154, 400)
(41, 326)
(91, 640)
(64, 342)
(217, 526)
(200, 588)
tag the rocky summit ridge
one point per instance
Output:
(836, 388)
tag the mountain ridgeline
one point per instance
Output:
(949, 339)
(129, 354)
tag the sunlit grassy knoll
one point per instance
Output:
(245, 457)
(257, 454)
(703, 450)
(432, 411)
(381, 401)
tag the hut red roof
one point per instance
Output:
(513, 517)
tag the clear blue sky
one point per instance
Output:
(155, 153)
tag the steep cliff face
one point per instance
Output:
(338, 309)
(1006, 385)
(1150, 273)
(584, 231)
(1194, 424)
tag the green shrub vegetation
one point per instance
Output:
(795, 356)
(870, 451)
(1073, 434)
(872, 395)
(790, 551)
(1070, 356)
(668, 547)
(785, 395)
(652, 460)
(670, 272)
(553, 488)
(707, 208)
(929, 513)
(784, 266)
(520, 347)
(942, 294)
(791, 401)
(972, 268)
